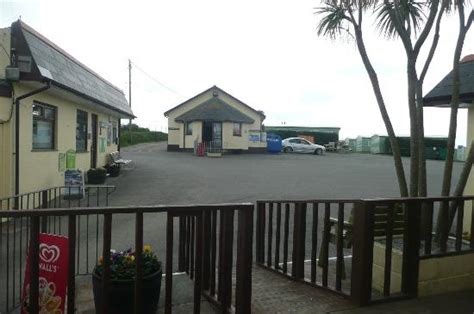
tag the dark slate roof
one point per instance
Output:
(441, 94)
(214, 109)
(217, 90)
(64, 71)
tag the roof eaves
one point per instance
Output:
(101, 103)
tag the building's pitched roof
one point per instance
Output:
(441, 94)
(214, 109)
(218, 90)
(64, 71)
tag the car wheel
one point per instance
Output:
(287, 150)
(318, 151)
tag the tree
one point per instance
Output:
(410, 21)
(346, 17)
(441, 236)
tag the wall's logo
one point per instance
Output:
(49, 253)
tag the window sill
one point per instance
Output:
(81, 151)
(43, 150)
(238, 135)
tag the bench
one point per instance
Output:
(115, 158)
(380, 229)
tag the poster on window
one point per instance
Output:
(53, 274)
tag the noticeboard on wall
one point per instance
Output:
(61, 162)
(71, 159)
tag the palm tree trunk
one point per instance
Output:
(448, 166)
(402, 183)
(414, 127)
(459, 190)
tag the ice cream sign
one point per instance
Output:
(53, 259)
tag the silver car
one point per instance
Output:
(301, 145)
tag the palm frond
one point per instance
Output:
(411, 14)
(334, 19)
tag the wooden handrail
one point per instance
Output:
(183, 209)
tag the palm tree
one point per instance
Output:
(345, 18)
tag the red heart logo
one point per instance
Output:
(49, 254)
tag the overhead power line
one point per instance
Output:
(155, 80)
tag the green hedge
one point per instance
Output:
(140, 136)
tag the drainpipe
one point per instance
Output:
(17, 133)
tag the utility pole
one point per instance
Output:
(130, 97)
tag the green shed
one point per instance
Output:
(379, 144)
(363, 144)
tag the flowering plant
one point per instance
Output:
(122, 264)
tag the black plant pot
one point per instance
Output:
(114, 171)
(96, 176)
(122, 293)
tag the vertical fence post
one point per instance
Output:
(181, 244)
(34, 265)
(199, 261)
(411, 248)
(138, 262)
(225, 287)
(260, 233)
(71, 289)
(44, 205)
(206, 260)
(362, 253)
(243, 289)
(299, 233)
(107, 243)
(169, 263)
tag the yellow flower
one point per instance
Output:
(147, 248)
(132, 257)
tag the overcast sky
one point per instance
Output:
(265, 53)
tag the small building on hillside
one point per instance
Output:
(51, 106)
(317, 135)
(219, 120)
(440, 96)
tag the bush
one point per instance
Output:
(140, 135)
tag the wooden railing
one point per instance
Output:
(15, 233)
(210, 266)
(292, 238)
(339, 237)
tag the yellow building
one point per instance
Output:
(440, 96)
(218, 119)
(53, 109)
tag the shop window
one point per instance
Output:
(81, 131)
(237, 129)
(189, 128)
(44, 126)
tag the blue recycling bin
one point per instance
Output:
(273, 143)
